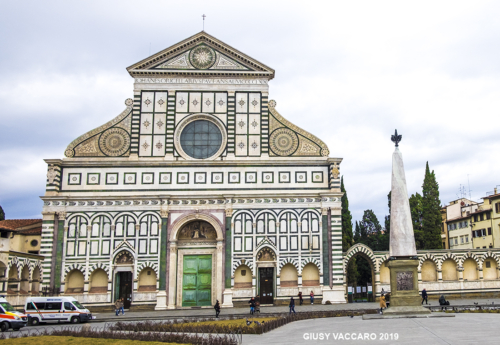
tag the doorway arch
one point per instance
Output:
(364, 252)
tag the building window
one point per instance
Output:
(475, 218)
(488, 216)
(488, 264)
(489, 231)
(466, 239)
(481, 216)
(456, 240)
(201, 139)
(34, 243)
(497, 207)
(461, 239)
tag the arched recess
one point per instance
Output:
(179, 223)
(147, 280)
(429, 271)
(25, 280)
(35, 280)
(74, 282)
(243, 277)
(470, 269)
(13, 282)
(366, 253)
(490, 268)
(449, 270)
(98, 281)
(290, 278)
(310, 275)
(3, 270)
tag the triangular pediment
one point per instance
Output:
(201, 55)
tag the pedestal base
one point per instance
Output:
(335, 295)
(228, 298)
(161, 300)
(405, 298)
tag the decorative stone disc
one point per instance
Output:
(325, 152)
(202, 57)
(283, 142)
(114, 142)
(129, 102)
(69, 153)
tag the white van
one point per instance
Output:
(55, 309)
(9, 317)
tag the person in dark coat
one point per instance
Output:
(301, 300)
(292, 305)
(252, 305)
(217, 309)
(424, 296)
(443, 301)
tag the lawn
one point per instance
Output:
(76, 341)
(237, 322)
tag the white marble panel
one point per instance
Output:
(237, 244)
(254, 124)
(241, 102)
(293, 243)
(159, 145)
(283, 243)
(241, 123)
(181, 102)
(219, 216)
(145, 145)
(222, 117)
(94, 247)
(305, 242)
(105, 247)
(147, 123)
(221, 102)
(147, 101)
(179, 117)
(82, 247)
(241, 144)
(208, 102)
(161, 102)
(315, 243)
(70, 251)
(254, 103)
(194, 102)
(248, 244)
(254, 145)
(160, 124)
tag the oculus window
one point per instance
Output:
(201, 139)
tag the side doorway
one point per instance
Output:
(123, 288)
(266, 285)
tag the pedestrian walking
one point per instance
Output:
(217, 309)
(257, 304)
(117, 307)
(252, 305)
(382, 303)
(292, 305)
(311, 295)
(424, 296)
(122, 304)
(301, 300)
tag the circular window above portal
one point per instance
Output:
(200, 136)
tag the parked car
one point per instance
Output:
(55, 309)
(10, 318)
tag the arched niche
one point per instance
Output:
(429, 271)
(243, 277)
(289, 276)
(449, 270)
(147, 280)
(99, 281)
(74, 282)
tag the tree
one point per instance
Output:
(2, 214)
(347, 236)
(431, 211)
(386, 236)
(416, 210)
(369, 231)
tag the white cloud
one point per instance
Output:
(348, 72)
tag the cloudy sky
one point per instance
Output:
(349, 72)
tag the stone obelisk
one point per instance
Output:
(403, 261)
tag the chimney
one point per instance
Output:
(495, 189)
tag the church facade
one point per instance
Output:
(200, 190)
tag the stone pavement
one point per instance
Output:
(208, 312)
(458, 330)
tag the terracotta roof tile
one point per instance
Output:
(14, 224)
(34, 231)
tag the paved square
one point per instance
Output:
(462, 329)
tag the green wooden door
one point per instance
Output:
(197, 281)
